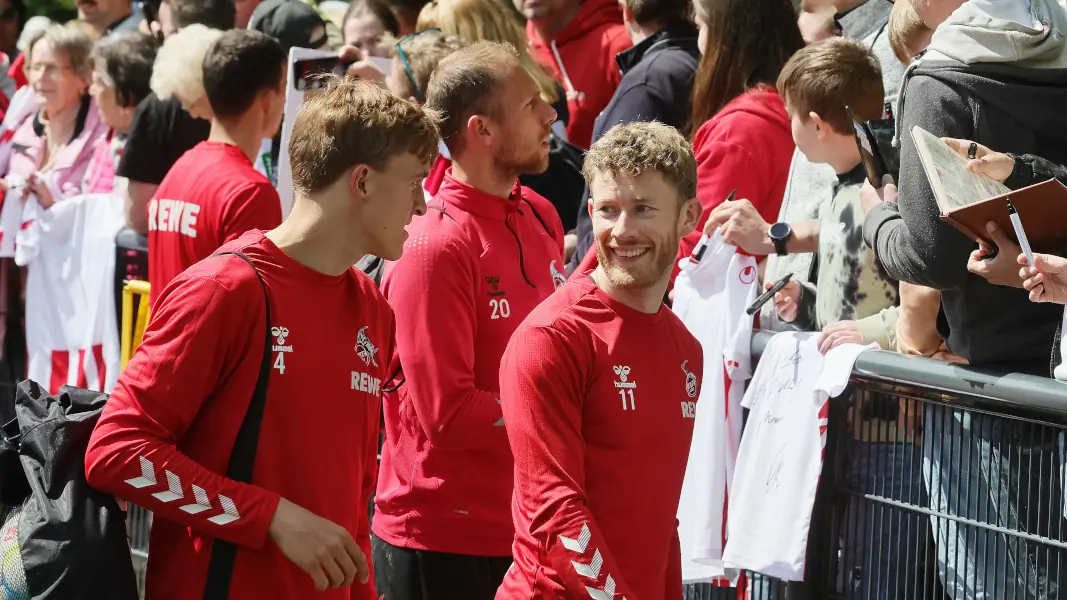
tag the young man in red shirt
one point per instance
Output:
(486, 253)
(599, 385)
(213, 194)
(166, 436)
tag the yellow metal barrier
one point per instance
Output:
(133, 328)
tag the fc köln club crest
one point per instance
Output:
(558, 279)
(690, 380)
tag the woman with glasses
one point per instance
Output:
(51, 149)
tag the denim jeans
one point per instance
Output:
(1000, 472)
(883, 546)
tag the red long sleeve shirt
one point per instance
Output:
(473, 267)
(211, 196)
(599, 401)
(165, 437)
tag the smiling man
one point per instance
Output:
(598, 385)
(486, 253)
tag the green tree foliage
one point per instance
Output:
(57, 10)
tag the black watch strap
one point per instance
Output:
(779, 246)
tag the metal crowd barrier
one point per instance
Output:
(940, 482)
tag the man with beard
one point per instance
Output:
(599, 386)
(486, 253)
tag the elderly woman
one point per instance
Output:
(51, 149)
(122, 70)
(178, 69)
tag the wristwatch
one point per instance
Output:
(779, 234)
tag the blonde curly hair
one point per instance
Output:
(633, 149)
(178, 70)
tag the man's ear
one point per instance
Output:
(479, 128)
(359, 184)
(692, 211)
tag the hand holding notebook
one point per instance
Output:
(969, 200)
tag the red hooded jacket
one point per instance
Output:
(747, 146)
(582, 57)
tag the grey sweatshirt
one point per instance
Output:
(996, 73)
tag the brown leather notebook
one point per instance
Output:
(1042, 210)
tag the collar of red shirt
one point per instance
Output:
(473, 200)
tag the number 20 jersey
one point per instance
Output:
(473, 267)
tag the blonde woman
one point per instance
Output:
(177, 71)
(476, 20)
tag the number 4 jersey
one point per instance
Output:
(166, 435)
(473, 267)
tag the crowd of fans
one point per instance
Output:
(177, 107)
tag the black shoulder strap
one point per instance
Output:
(243, 457)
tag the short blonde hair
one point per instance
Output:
(179, 67)
(477, 20)
(68, 41)
(905, 30)
(466, 83)
(353, 122)
(827, 76)
(633, 149)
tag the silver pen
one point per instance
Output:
(1017, 224)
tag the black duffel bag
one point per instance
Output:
(71, 538)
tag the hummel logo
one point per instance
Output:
(622, 372)
(577, 545)
(493, 281)
(175, 491)
(592, 570)
(281, 333)
(608, 593)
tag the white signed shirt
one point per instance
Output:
(780, 459)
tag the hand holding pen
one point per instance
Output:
(741, 225)
(1046, 280)
(702, 243)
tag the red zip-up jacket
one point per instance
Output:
(473, 267)
(582, 58)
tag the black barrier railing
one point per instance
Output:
(939, 481)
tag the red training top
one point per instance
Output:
(167, 432)
(599, 401)
(473, 267)
(209, 197)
